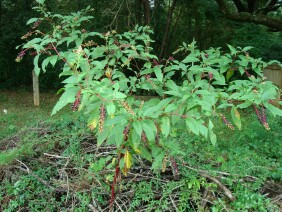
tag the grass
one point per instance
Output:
(21, 112)
(61, 153)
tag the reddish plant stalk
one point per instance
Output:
(174, 167)
(117, 169)
(64, 59)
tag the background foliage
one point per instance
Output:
(172, 21)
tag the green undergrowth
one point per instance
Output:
(17, 110)
(55, 166)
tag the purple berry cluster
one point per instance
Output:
(261, 115)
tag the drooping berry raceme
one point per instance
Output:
(247, 73)
(264, 119)
(171, 58)
(20, 55)
(258, 113)
(126, 132)
(127, 107)
(226, 122)
(155, 62)
(148, 77)
(36, 23)
(77, 101)
(27, 35)
(261, 115)
(210, 76)
(102, 118)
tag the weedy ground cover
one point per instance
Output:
(17, 110)
(55, 165)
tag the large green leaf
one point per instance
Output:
(36, 67)
(212, 136)
(67, 97)
(150, 129)
(274, 110)
(158, 73)
(137, 126)
(101, 137)
(32, 20)
(165, 126)
(192, 125)
(236, 117)
(135, 139)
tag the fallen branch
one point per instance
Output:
(226, 191)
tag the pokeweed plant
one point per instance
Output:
(105, 71)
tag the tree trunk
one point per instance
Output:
(138, 12)
(167, 29)
(35, 89)
(147, 15)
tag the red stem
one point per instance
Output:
(114, 183)
(64, 59)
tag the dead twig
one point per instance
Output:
(226, 191)
(44, 182)
(173, 203)
(55, 156)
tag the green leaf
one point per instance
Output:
(158, 73)
(119, 95)
(171, 85)
(147, 65)
(36, 67)
(244, 105)
(145, 153)
(135, 139)
(229, 74)
(236, 117)
(158, 156)
(171, 107)
(101, 137)
(190, 58)
(150, 129)
(34, 41)
(192, 125)
(211, 126)
(71, 80)
(213, 138)
(247, 48)
(203, 130)
(95, 34)
(211, 133)
(137, 126)
(32, 20)
(274, 110)
(232, 49)
(53, 59)
(116, 134)
(67, 97)
(147, 71)
(45, 64)
(165, 126)
(111, 108)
